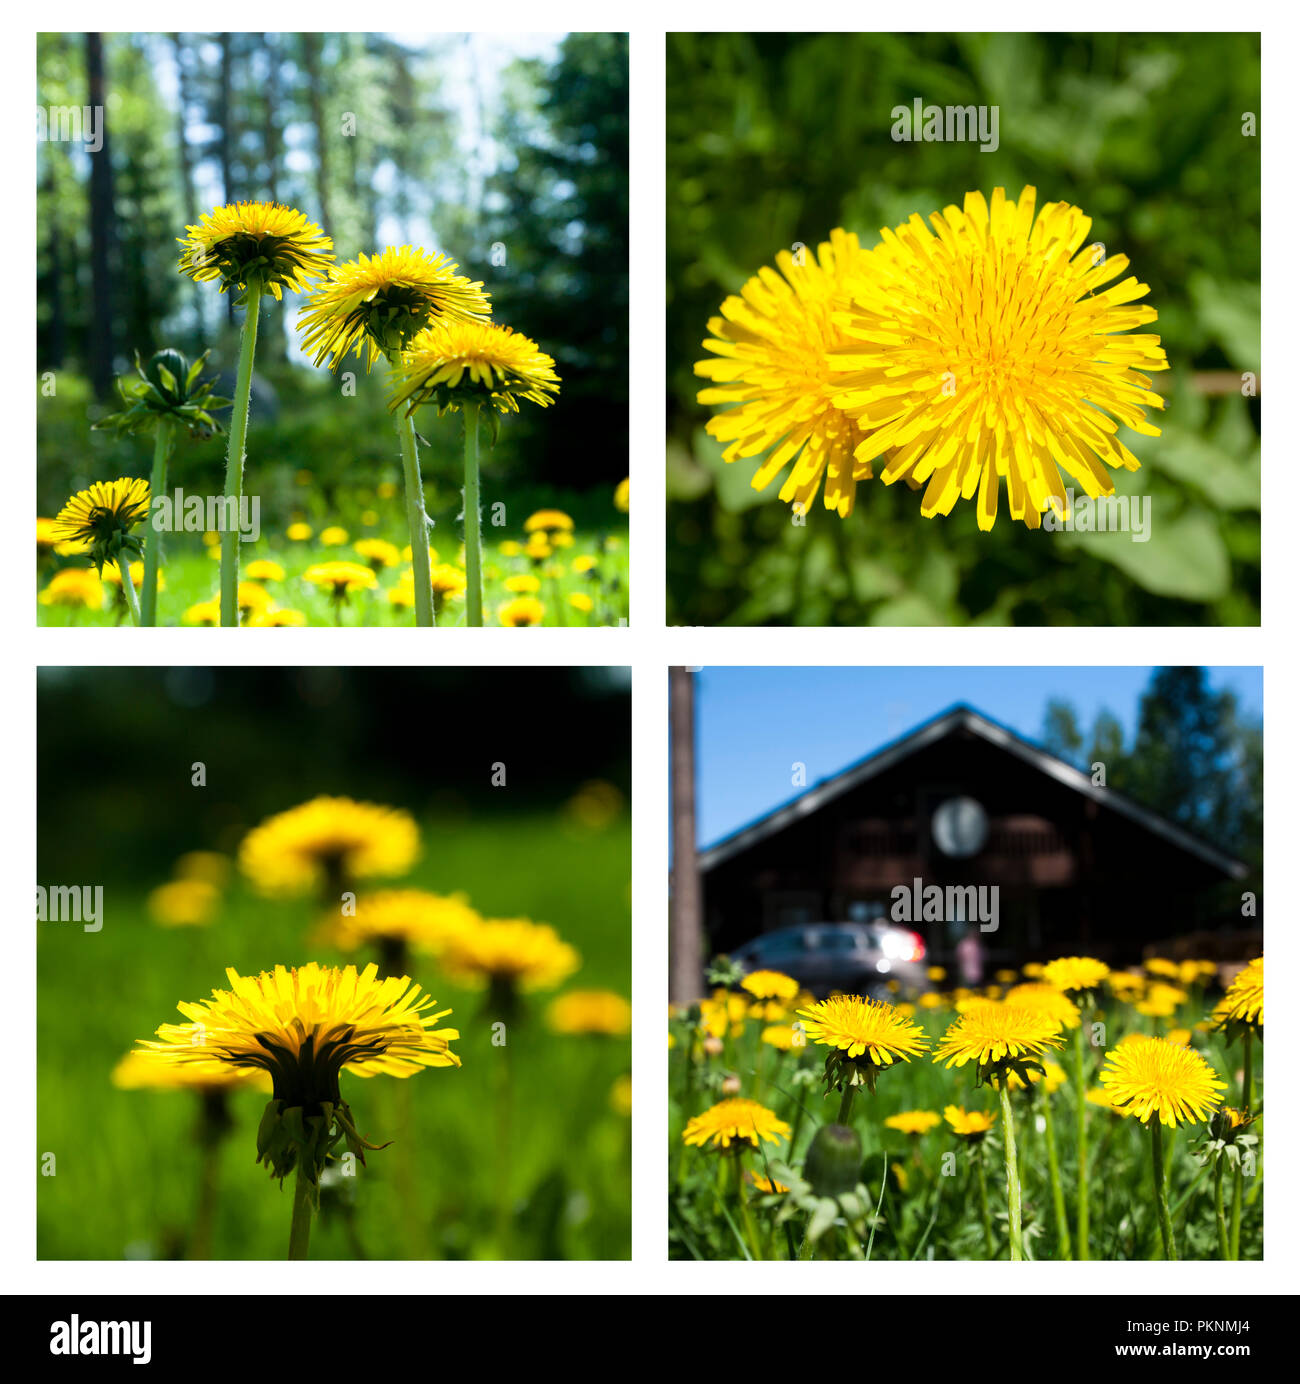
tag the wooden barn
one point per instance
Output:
(965, 804)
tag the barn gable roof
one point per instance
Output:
(957, 718)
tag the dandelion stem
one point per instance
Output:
(162, 446)
(300, 1230)
(230, 534)
(128, 587)
(746, 1211)
(1054, 1176)
(1238, 1176)
(504, 1099)
(473, 535)
(1081, 1143)
(1158, 1175)
(846, 1107)
(1225, 1248)
(417, 521)
(1013, 1172)
(981, 1183)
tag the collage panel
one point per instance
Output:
(304, 302)
(963, 329)
(972, 981)
(348, 994)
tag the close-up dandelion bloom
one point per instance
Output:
(737, 1122)
(261, 243)
(103, 516)
(1151, 1076)
(375, 304)
(770, 367)
(988, 349)
(862, 1027)
(328, 841)
(995, 1035)
(451, 362)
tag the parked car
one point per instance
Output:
(856, 958)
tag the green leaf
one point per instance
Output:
(1185, 556)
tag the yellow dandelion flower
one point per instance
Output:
(203, 613)
(1047, 998)
(784, 1037)
(1159, 966)
(251, 597)
(413, 917)
(580, 601)
(256, 243)
(470, 361)
(771, 364)
(989, 349)
(770, 985)
(1150, 1076)
(1161, 1001)
(102, 517)
(1071, 973)
(447, 580)
(999, 1037)
(140, 1071)
(735, 1122)
(523, 585)
(621, 496)
(521, 612)
(264, 570)
(375, 304)
(276, 617)
(340, 579)
(590, 1011)
(334, 536)
(769, 1186)
(863, 1035)
(548, 521)
(912, 1121)
(47, 534)
(74, 586)
(1244, 1002)
(513, 951)
(330, 841)
(620, 1096)
(183, 903)
(298, 533)
(377, 553)
(1180, 1037)
(970, 1124)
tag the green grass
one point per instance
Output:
(930, 1211)
(126, 1164)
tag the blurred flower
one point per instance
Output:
(770, 358)
(139, 1071)
(620, 1096)
(209, 866)
(414, 917)
(377, 553)
(1070, 973)
(252, 598)
(47, 534)
(298, 533)
(524, 584)
(595, 805)
(957, 339)
(514, 951)
(737, 1121)
(1161, 1001)
(590, 1011)
(340, 579)
(1048, 999)
(768, 1186)
(784, 1037)
(183, 903)
(374, 305)
(258, 244)
(522, 611)
(1243, 1005)
(770, 985)
(334, 536)
(548, 521)
(912, 1121)
(579, 600)
(621, 495)
(330, 841)
(584, 562)
(74, 586)
(263, 569)
(1150, 1076)
(203, 613)
(970, 1124)
(276, 617)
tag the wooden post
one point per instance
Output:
(685, 950)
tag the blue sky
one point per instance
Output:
(753, 724)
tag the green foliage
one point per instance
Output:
(775, 139)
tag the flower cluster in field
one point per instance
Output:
(550, 574)
(986, 350)
(303, 1034)
(406, 306)
(902, 1170)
